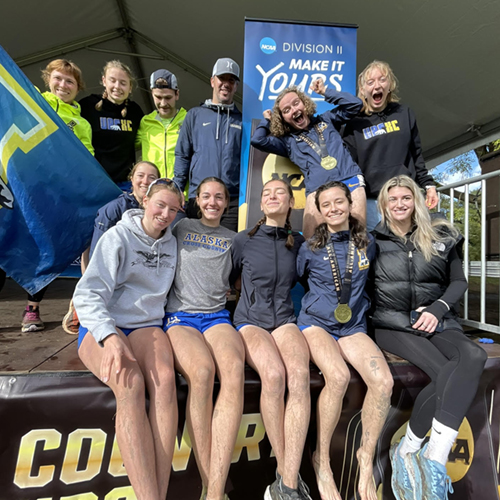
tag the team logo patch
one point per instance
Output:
(363, 261)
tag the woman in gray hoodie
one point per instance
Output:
(120, 301)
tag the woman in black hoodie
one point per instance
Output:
(384, 140)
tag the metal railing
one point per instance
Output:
(482, 268)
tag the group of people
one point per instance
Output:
(152, 299)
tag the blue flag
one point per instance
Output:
(51, 187)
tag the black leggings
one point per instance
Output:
(454, 364)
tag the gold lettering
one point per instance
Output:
(69, 474)
(251, 443)
(23, 477)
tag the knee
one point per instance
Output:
(130, 386)
(337, 380)
(164, 381)
(273, 381)
(232, 374)
(203, 376)
(381, 382)
(299, 380)
(476, 358)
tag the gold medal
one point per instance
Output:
(343, 313)
(328, 162)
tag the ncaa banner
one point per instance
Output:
(279, 54)
(50, 185)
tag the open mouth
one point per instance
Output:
(378, 97)
(299, 118)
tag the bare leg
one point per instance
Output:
(262, 355)
(84, 261)
(194, 361)
(154, 354)
(295, 354)
(229, 355)
(363, 354)
(325, 354)
(133, 431)
(312, 218)
(359, 204)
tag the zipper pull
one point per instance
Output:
(410, 254)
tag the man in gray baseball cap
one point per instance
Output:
(210, 141)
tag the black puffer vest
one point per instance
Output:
(403, 281)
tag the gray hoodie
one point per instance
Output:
(127, 280)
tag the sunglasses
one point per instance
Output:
(167, 182)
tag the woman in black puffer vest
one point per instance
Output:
(417, 269)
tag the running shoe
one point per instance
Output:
(436, 484)
(278, 491)
(400, 480)
(70, 322)
(31, 321)
(303, 489)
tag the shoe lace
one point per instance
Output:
(32, 315)
(303, 489)
(441, 478)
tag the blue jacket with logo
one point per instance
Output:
(267, 270)
(209, 144)
(320, 302)
(293, 147)
(109, 215)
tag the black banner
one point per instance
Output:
(58, 440)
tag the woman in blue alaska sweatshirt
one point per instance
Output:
(313, 143)
(335, 262)
(120, 301)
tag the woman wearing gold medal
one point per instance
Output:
(335, 262)
(313, 143)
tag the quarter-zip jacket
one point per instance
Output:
(293, 147)
(320, 302)
(404, 281)
(158, 143)
(71, 116)
(268, 273)
(209, 145)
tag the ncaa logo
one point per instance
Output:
(268, 45)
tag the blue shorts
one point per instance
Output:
(199, 321)
(339, 333)
(82, 331)
(355, 182)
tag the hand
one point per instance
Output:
(431, 198)
(114, 350)
(427, 322)
(267, 114)
(318, 86)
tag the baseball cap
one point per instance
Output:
(165, 75)
(226, 66)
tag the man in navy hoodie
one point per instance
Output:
(210, 142)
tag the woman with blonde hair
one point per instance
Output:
(383, 138)
(120, 301)
(418, 282)
(313, 143)
(115, 120)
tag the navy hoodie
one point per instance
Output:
(387, 144)
(209, 144)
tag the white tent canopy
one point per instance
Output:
(442, 51)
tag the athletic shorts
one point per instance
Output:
(199, 321)
(338, 333)
(355, 182)
(82, 331)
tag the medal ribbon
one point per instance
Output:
(343, 289)
(320, 149)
